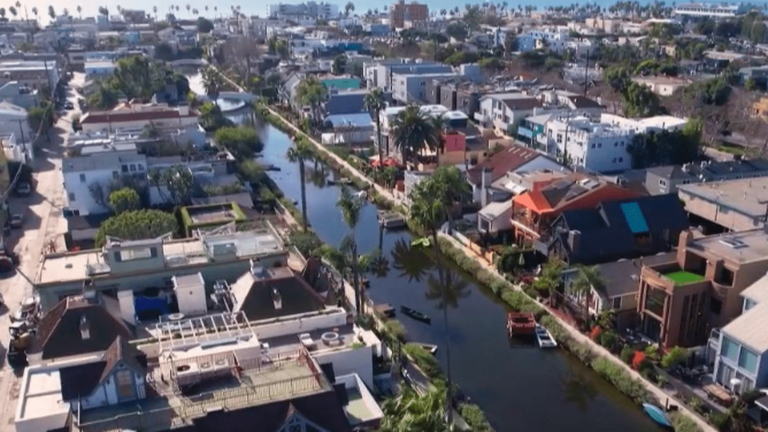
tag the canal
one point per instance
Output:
(520, 388)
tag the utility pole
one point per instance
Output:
(565, 140)
(586, 74)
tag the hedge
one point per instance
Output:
(683, 423)
(424, 360)
(621, 379)
(475, 418)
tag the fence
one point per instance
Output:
(487, 255)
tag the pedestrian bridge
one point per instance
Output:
(230, 95)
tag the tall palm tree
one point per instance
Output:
(410, 412)
(34, 12)
(301, 152)
(350, 206)
(588, 278)
(410, 262)
(374, 103)
(432, 199)
(412, 132)
(188, 8)
(80, 11)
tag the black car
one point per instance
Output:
(23, 189)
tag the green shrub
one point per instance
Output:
(621, 379)
(674, 357)
(424, 360)
(683, 423)
(609, 339)
(627, 353)
(652, 353)
(475, 418)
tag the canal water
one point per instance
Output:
(520, 388)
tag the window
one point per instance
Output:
(616, 144)
(593, 145)
(71, 196)
(115, 175)
(82, 178)
(662, 182)
(125, 168)
(133, 167)
(622, 143)
(715, 306)
(724, 277)
(730, 349)
(140, 167)
(614, 160)
(134, 254)
(748, 360)
(124, 381)
(559, 138)
(599, 145)
(616, 303)
(655, 300)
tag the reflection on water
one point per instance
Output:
(412, 263)
(578, 389)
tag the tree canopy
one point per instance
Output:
(125, 199)
(243, 142)
(667, 148)
(136, 225)
(204, 25)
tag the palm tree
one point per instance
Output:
(2, 12)
(410, 411)
(350, 207)
(589, 278)
(412, 132)
(80, 11)
(13, 11)
(188, 8)
(34, 12)
(410, 262)
(301, 152)
(374, 103)
(311, 92)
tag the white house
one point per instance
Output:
(87, 176)
(14, 120)
(554, 39)
(410, 88)
(503, 112)
(99, 69)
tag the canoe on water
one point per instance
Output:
(657, 414)
(413, 313)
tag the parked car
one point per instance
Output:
(23, 189)
(17, 220)
(69, 105)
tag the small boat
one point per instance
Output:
(544, 337)
(391, 219)
(432, 349)
(341, 182)
(521, 324)
(424, 241)
(657, 414)
(418, 316)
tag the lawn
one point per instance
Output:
(684, 277)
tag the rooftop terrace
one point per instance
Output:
(740, 247)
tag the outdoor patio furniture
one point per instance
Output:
(718, 394)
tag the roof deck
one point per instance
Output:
(230, 384)
(739, 247)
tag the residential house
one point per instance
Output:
(740, 348)
(462, 143)
(553, 39)
(760, 108)
(618, 293)
(342, 102)
(617, 229)
(75, 327)
(681, 300)
(533, 212)
(348, 129)
(30, 73)
(21, 96)
(387, 117)
(260, 27)
(759, 74)
(380, 73)
(400, 12)
(411, 88)
(87, 176)
(504, 112)
(735, 205)
(490, 176)
(139, 116)
(667, 179)
(99, 69)
(574, 102)
(14, 120)
(462, 96)
(662, 85)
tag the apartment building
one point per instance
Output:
(599, 146)
(379, 74)
(412, 88)
(400, 12)
(34, 74)
(681, 300)
(504, 112)
(711, 10)
(735, 205)
(554, 39)
(311, 9)
(87, 176)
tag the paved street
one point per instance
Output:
(43, 230)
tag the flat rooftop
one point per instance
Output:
(346, 338)
(740, 247)
(74, 266)
(747, 196)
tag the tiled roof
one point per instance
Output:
(58, 333)
(502, 162)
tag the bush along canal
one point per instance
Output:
(518, 387)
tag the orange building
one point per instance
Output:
(400, 12)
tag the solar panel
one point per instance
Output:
(634, 217)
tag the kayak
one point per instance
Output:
(657, 414)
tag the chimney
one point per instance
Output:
(85, 328)
(486, 183)
(574, 240)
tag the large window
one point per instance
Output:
(654, 301)
(134, 254)
(730, 349)
(748, 360)
(125, 388)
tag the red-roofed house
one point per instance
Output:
(534, 211)
(130, 116)
(514, 158)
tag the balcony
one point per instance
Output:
(531, 223)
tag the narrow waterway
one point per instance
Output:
(520, 387)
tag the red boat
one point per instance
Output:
(521, 324)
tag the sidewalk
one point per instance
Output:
(597, 349)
